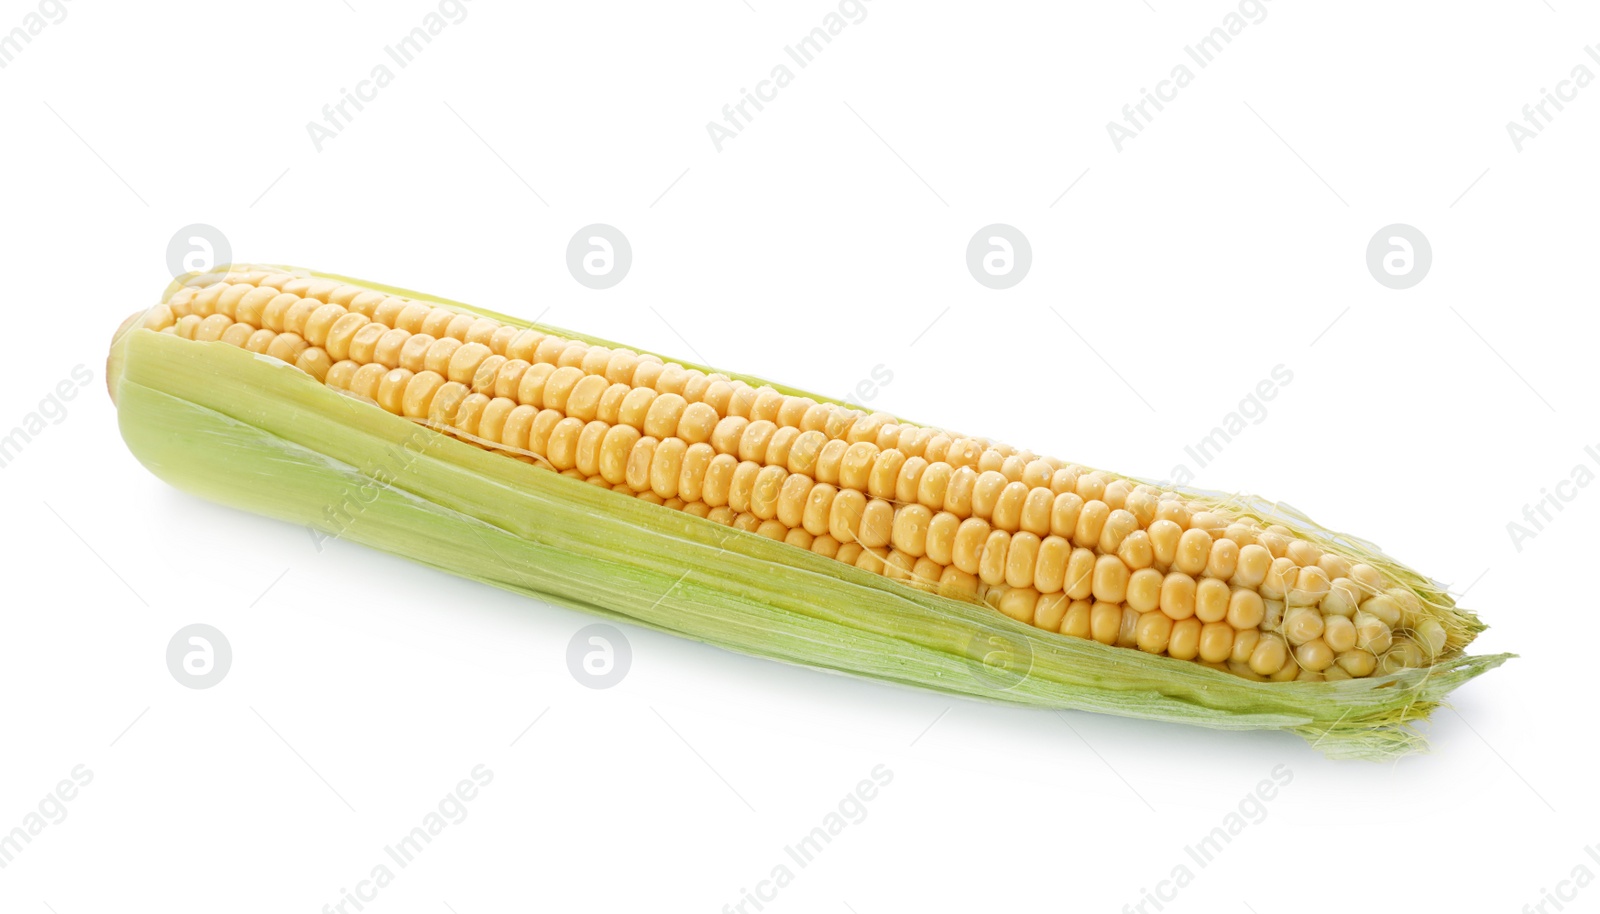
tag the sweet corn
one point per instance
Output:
(969, 532)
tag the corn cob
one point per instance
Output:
(1111, 589)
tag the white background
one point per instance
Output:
(826, 239)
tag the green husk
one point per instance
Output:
(252, 432)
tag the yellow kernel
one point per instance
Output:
(992, 564)
(1431, 637)
(1405, 654)
(1184, 642)
(635, 407)
(1076, 620)
(1344, 597)
(855, 467)
(636, 472)
(1008, 507)
(877, 524)
(313, 361)
(1064, 512)
(1357, 663)
(791, 504)
(1410, 606)
(883, 477)
(764, 495)
(1118, 526)
(1164, 536)
(958, 494)
(953, 582)
(1367, 577)
(664, 414)
(211, 328)
(1270, 655)
(1280, 579)
(1223, 560)
(1177, 595)
(1175, 510)
(1135, 550)
(1090, 487)
(1049, 610)
(518, 423)
(1241, 533)
(1245, 609)
(967, 552)
(1064, 480)
(1334, 566)
(1144, 589)
(1310, 586)
(1193, 553)
(1384, 607)
(444, 349)
(1018, 602)
(1154, 632)
(584, 401)
(258, 341)
(286, 346)
(1116, 493)
(817, 513)
(274, 316)
(1302, 624)
(844, 518)
(1372, 633)
(1078, 582)
(1110, 581)
(1128, 634)
(1275, 540)
(1244, 644)
(557, 388)
(742, 486)
(238, 335)
(1303, 553)
(1091, 520)
(1143, 506)
(666, 466)
(986, 492)
(1211, 599)
(697, 462)
(1216, 642)
(493, 420)
(1021, 556)
(1339, 633)
(463, 367)
(939, 544)
(1254, 562)
(1105, 622)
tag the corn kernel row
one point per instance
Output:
(1053, 545)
